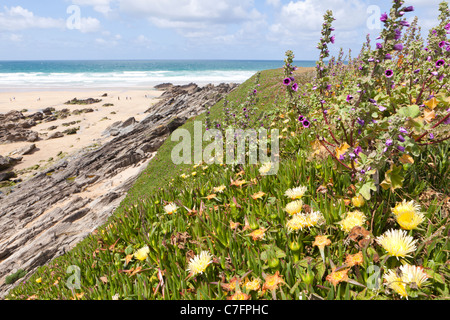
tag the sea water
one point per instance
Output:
(16, 75)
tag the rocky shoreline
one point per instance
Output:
(47, 215)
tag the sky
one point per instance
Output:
(188, 29)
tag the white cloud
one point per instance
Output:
(274, 3)
(18, 18)
(302, 20)
(102, 6)
(89, 24)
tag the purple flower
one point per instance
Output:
(361, 122)
(358, 150)
(447, 48)
(379, 46)
(332, 39)
(389, 73)
(440, 63)
(404, 23)
(403, 130)
(306, 124)
(398, 47)
(301, 118)
(400, 148)
(409, 9)
(372, 101)
(384, 17)
(295, 87)
(441, 44)
(447, 27)
(434, 73)
(401, 138)
(416, 71)
(349, 98)
(387, 57)
(287, 81)
(398, 34)
(389, 142)
(431, 136)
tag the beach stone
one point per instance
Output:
(26, 150)
(55, 135)
(48, 111)
(7, 176)
(8, 162)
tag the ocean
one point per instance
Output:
(25, 75)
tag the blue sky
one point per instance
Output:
(187, 29)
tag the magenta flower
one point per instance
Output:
(349, 98)
(379, 46)
(401, 138)
(389, 73)
(441, 44)
(447, 27)
(387, 57)
(295, 87)
(440, 63)
(287, 81)
(409, 9)
(384, 17)
(301, 118)
(398, 47)
(400, 148)
(389, 142)
(332, 39)
(306, 124)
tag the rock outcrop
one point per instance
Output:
(50, 213)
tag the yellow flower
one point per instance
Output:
(254, 285)
(194, 173)
(294, 207)
(258, 234)
(272, 282)
(184, 176)
(234, 225)
(39, 280)
(199, 263)
(265, 168)
(358, 201)
(258, 195)
(142, 253)
(295, 193)
(219, 189)
(337, 276)
(171, 208)
(232, 285)
(397, 243)
(408, 215)
(238, 183)
(298, 222)
(354, 260)
(395, 283)
(353, 219)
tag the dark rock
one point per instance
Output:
(55, 135)
(8, 162)
(52, 128)
(26, 150)
(7, 176)
(48, 111)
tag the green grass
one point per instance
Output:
(202, 222)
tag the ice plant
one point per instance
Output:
(272, 282)
(142, 253)
(294, 207)
(358, 201)
(253, 285)
(354, 260)
(408, 214)
(408, 275)
(199, 263)
(353, 219)
(414, 274)
(265, 168)
(258, 234)
(321, 242)
(397, 243)
(171, 208)
(335, 277)
(394, 282)
(219, 189)
(295, 193)
(239, 295)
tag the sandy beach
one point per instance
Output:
(126, 103)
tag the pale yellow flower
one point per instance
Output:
(355, 259)
(295, 193)
(194, 173)
(294, 207)
(219, 189)
(199, 263)
(258, 195)
(414, 274)
(171, 208)
(184, 176)
(397, 243)
(394, 282)
(258, 234)
(353, 219)
(239, 296)
(142, 253)
(253, 285)
(408, 215)
(265, 168)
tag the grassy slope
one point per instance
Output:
(141, 220)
